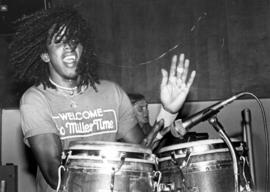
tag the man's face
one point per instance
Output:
(63, 60)
(141, 111)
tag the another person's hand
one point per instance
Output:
(174, 89)
(155, 135)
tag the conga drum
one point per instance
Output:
(108, 167)
(200, 166)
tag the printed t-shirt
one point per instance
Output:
(105, 115)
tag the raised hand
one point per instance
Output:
(174, 89)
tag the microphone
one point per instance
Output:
(180, 127)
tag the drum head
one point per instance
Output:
(197, 148)
(109, 151)
(101, 145)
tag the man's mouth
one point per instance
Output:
(69, 59)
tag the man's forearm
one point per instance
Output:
(51, 173)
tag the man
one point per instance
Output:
(53, 49)
(141, 111)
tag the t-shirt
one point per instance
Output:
(105, 115)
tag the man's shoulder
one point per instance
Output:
(32, 93)
(106, 84)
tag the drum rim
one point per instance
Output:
(194, 144)
(168, 158)
(98, 158)
(99, 145)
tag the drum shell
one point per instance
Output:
(97, 173)
(209, 167)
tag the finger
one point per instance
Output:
(165, 130)
(149, 138)
(185, 73)
(180, 68)
(154, 143)
(191, 79)
(160, 134)
(164, 77)
(159, 137)
(173, 67)
(157, 127)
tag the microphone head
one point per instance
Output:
(177, 129)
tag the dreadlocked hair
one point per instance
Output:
(37, 30)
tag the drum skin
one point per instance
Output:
(108, 167)
(207, 168)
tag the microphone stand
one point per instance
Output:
(247, 135)
(219, 128)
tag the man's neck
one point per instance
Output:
(65, 85)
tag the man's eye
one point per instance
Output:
(140, 109)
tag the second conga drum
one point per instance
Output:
(108, 167)
(200, 166)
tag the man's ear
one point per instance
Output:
(45, 57)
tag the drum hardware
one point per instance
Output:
(185, 161)
(219, 128)
(65, 157)
(184, 164)
(156, 176)
(98, 166)
(166, 187)
(155, 158)
(64, 160)
(246, 186)
(114, 171)
(170, 187)
(180, 167)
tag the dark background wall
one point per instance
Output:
(9, 91)
(226, 41)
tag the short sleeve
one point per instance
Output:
(36, 116)
(127, 119)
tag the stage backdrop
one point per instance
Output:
(226, 41)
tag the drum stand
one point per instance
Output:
(219, 128)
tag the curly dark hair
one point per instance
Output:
(37, 30)
(134, 97)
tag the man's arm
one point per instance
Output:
(135, 135)
(174, 89)
(47, 151)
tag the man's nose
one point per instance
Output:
(69, 46)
